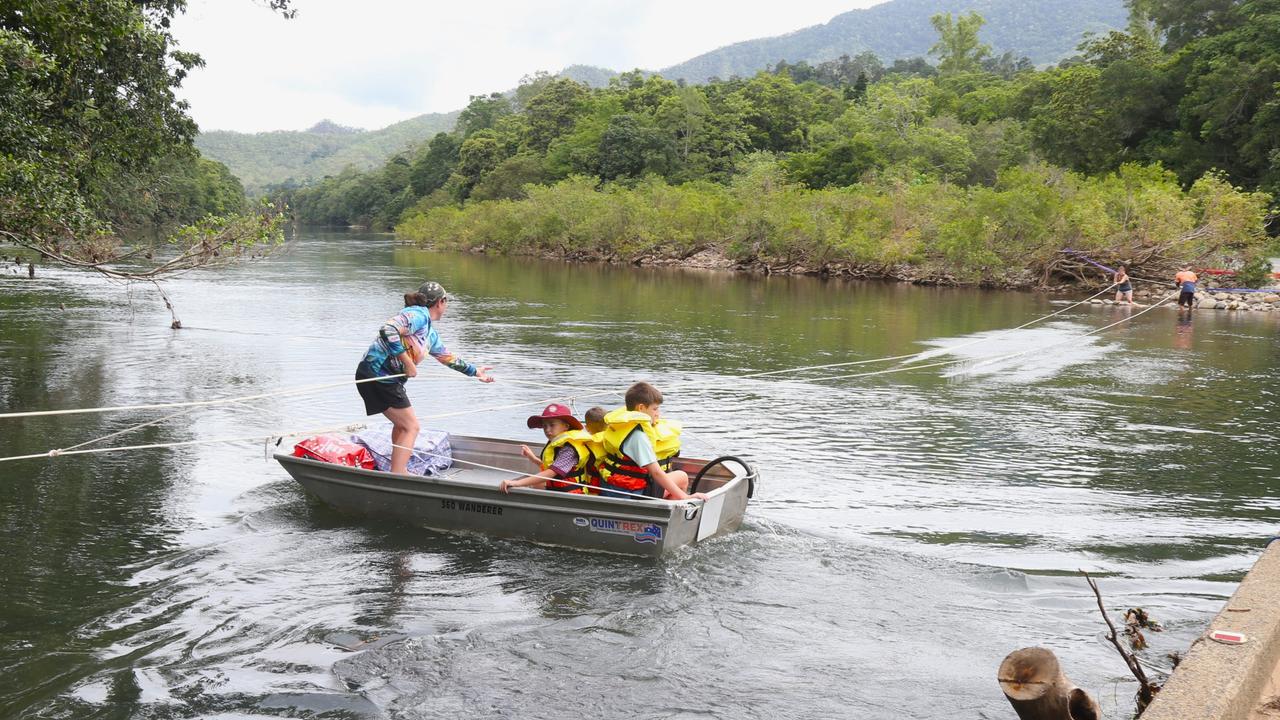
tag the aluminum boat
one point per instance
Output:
(466, 498)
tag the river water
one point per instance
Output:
(909, 531)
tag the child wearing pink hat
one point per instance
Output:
(567, 462)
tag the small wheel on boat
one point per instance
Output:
(751, 473)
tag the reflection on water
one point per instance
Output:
(912, 528)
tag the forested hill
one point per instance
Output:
(1044, 30)
(292, 157)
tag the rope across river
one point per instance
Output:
(573, 392)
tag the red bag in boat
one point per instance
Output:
(337, 449)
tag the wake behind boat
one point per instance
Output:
(466, 498)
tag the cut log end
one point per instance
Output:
(1033, 681)
(1029, 673)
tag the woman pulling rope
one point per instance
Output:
(403, 342)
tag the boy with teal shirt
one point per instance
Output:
(631, 464)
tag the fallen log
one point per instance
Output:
(1036, 687)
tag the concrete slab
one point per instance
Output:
(1219, 681)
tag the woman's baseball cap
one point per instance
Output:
(558, 412)
(432, 291)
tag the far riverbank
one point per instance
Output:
(1064, 274)
(927, 232)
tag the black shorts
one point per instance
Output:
(1186, 297)
(378, 396)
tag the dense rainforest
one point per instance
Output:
(1156, 145)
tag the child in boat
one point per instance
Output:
(566, 463)
(594, 420)
(639, 447)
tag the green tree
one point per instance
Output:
(1182, 21)
(642, 94)
(578, 152)
(507, 181)
(630, 147)
(777, 112)
(958, 48)
(859, 91)
(1072, 128)
(434, 163)
(1228, 115)
(479, 154)
(91, 122)
(553, 111)
(684, 115)
(482, 113)
(839, 164)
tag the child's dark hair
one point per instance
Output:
(594, 415)
(413, 298)
(642, 393)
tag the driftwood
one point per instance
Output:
(1146, 689)
(1036, 687)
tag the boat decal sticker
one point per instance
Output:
(467, 506)
(639, 531)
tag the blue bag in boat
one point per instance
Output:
(432, 453)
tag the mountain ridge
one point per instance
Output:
(900, 29)
(1044, 30)
(326, 148)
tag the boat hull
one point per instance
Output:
(467, 500)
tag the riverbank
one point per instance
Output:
(714, 259)
(922, 231)
(1211, 299)
(1232, 671)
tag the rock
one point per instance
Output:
(1271, 298)
(1208, 303)
(1095, 301)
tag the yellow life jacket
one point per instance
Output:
(667, 446)
(618, 469)
(584, 471)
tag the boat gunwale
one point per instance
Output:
(544, 503)
(539, 494)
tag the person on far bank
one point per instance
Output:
(1124, 288)
(1186, 282)
(404, 341)
(639, 448)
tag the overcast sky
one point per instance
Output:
(374, 63)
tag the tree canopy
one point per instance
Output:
(96, 148)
